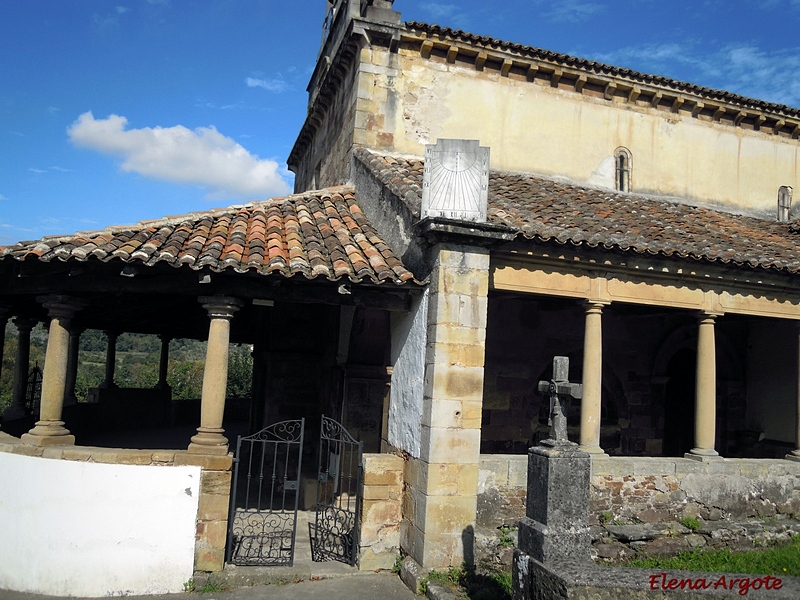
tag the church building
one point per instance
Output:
(465, 210)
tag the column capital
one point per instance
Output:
(220, 307)
(25, 323)
(708, 315)
(61, 307)
(595, 305)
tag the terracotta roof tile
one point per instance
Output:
(546, 210)
(320, 234)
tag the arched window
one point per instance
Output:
(623, 167)
(784, 202)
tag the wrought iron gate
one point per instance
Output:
(334, 532)
(263, 521)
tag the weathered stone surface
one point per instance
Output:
(633, 533)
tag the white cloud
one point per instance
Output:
(743, 69)
(573, 11)
(271, 85)
(35, 170)
(202, 157)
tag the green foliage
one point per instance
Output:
(506, 537)
(398, 564)
(211, 586)
(466, 583)
(605, 517)
(780, 561)
(240, 372)
(692, 523)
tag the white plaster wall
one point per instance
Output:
(408, 357)
(87, 529)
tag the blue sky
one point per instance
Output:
(117, 111)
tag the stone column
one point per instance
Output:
(16, 409)
(443, 481)
(49, 429)
(705, 391)
(592, 378)
(209, 438)
(795, 454)
(111, 359)
(72, 366)
(163, 363)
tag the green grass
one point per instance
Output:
(211, 586)
(469, 585)
(691, 523)
(780, 560)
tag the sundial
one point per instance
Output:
(455, 181)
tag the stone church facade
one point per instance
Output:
(638, 225)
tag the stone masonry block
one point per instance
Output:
(411, 472)
(461, 257)
(206, 461)
(447, 514)
(445, 550)
(493, 472)
(212, 507)
(378, 492)
(653, 466)
(451, 382)
(454, 334)
(443, 412)
(460, 446)
(56, 453)
(209, 560)
(450, 479)
(215, 482)
(214, 534)
(135, 458)
(517, 471)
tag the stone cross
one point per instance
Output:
(559, 387)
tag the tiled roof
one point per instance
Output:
(601, 68)
(550, 211)
(315, 234)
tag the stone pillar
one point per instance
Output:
(111, 359)
(163, 363)
(72, 366)
(705, 419)
(795, 454)
(49, 429)
(442, 483)
(592, 378)
(209, 438)
(16, 409)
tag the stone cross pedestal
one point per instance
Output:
(556, 522)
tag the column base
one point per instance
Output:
(48, 433)
(793, 455)
(703, 454)
(593, 450)
(209, 441)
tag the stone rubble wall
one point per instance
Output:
(638, 503)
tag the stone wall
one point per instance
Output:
(653, 490)
(667, 489)
(381, 492)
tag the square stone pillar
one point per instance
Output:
(556, 522)
(441, 503)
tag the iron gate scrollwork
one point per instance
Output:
(263, 521)
(334, 532)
